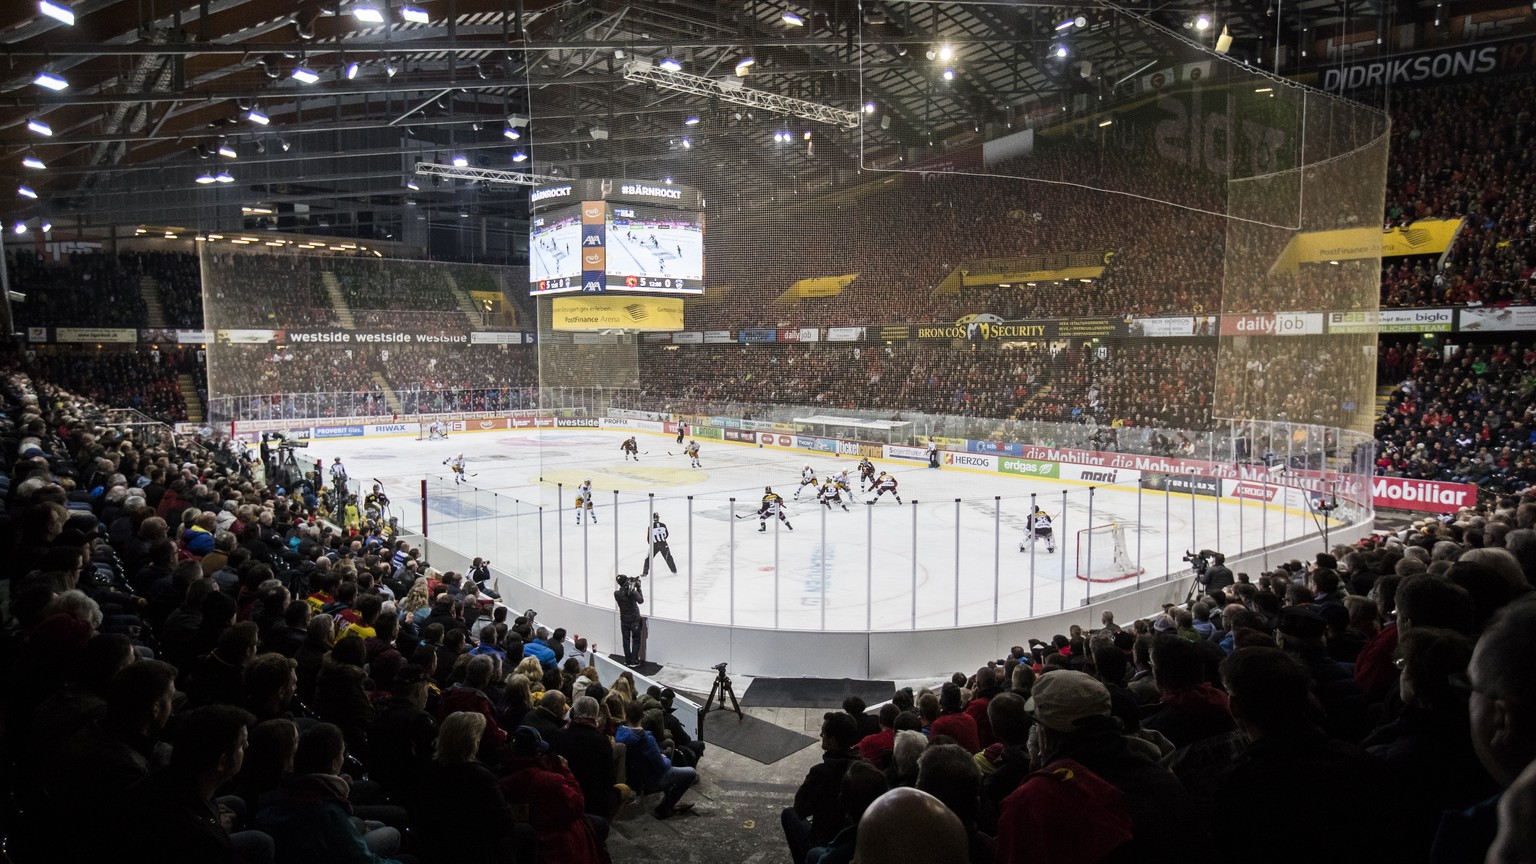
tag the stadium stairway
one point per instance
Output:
(466, 304)
(1383, 396)
(338, 300)
(149, 289)
(188, 389)
(390, 398)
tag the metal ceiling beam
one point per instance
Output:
(733, 92)
(490, 175)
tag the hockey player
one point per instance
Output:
(841, 480)
(883, 484)
(630, 448)
(832, 494)
(339, 478)
(1039, 529)
(807, 478)
(584, 501)
(773, 505)
(456, 465)
(692, 452)
(437, 430)
(657, 537)
(866, 473)
(376, 505)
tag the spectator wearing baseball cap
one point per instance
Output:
(1095, 795)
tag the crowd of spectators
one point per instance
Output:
(1383, 688)
(200, 667)
(1467, 417)
(138, 377)
(85, 290)
(1144, 383)
(260, 291)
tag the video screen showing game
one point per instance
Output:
(554, 252)
(654, 250)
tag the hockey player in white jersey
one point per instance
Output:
(436, 430)
(692, 452)
(456, 465)
(831, 494)
(584, 501)
(807, 478)
(1039, 529)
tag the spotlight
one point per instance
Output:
(792, 19)
(57, 11)
(949, 74)
(946, 53)
(390, 68)
(1065, 25)
(517, 120)
(223, 177)
(459, 161)
(26, 192)
(687, 144)
(807, 134)
(744, 66)
(228, 152)
(283, 145)
(256, 116)
(411, 185)
(40, 127)
(367, 14)
(667, 180)
(511, 134)
(30, 161)
(1103, 123)
(46, 226)
(50, 81)
(932, 54)
(671, 65)
(519, 156)
(869, 107)
(351, 70)
(21, 228)
(1059, 51)
(598, 134)
(691, 121)
(1203, 22)
(415, 15)
(304, 76)
(204, 179)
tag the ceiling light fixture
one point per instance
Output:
(50, 81)
(415, 15)
(691, 121)
(671, 65)
(946, 52)
(744, 66)
(519, 156)
(411, 185)
(390, 68)
(305, 76)
(459, 161)
(204, 179)
(26, 192)
(21, 228)
(352, 70)
(1103, 123)
(869, 107)
(223, 177)
(46, 226)
(949, 74)
(1203, 22)
(511, 134)
(256, 116)
(367, 14)
(228, 152)
(687, 144)
(1059, 51)
(792, 19)
(30, 161)
(57, 11)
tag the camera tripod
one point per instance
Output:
(719, 690)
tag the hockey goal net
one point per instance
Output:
(424, 429)
(1102, 555)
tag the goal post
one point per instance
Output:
(424, 429)
(1102, 555)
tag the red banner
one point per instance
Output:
(1433, 496)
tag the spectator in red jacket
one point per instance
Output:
(954, 722)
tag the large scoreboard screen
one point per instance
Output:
(554, 250)
(613, 235)
(655, 250)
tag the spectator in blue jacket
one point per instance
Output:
(540, 651)
(650, 771)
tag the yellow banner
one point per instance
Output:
(483, 296)
(1424, 237)
(613, 312)
(822, 286)
(1035, 268)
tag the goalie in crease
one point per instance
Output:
(1039, 528)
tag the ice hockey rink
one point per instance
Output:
(950, 556)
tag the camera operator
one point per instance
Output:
(1219, 576)
(628, 598)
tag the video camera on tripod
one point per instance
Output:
(1199, 562)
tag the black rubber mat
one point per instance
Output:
(814, 692)
(755, 739)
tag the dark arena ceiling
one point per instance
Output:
(160, 93)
